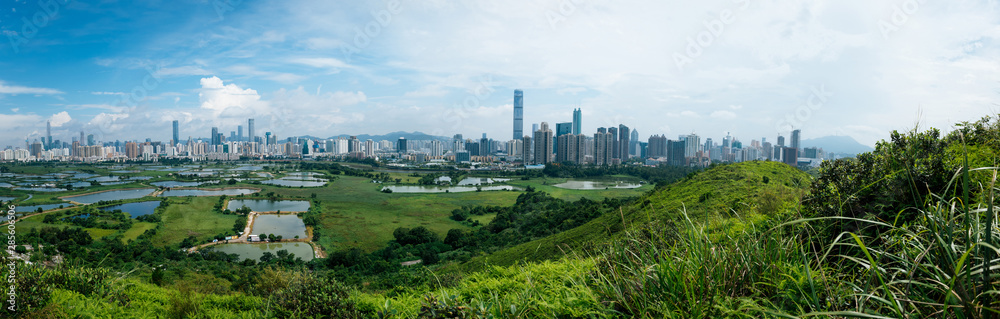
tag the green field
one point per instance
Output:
(192, 216)
(136, 230)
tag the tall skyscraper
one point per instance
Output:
(177, 135)
(796, 141)
(239, 132)
(781, 141)
(577, 121)
(543, 144)
(48, 135)
(215, 136)
(615, 148)
(250, 132)
(81, 137)
(518, 114)
(625, 137)
(691, 145)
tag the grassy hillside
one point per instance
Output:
(724, 197)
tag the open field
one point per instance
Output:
(192, 216)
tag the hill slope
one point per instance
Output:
(749, 191)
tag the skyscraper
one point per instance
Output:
(215, 136)
(614, 147)
(48, 135)
(603, 147)
(239, 132)
(250, 132)
(526, 149)
(543, 144)
(625, 137)
(518, 114)
(401, 145)
(796, 141)
(577, 121)
(177, 135)
(781, 141)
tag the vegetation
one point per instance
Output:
(906, 231)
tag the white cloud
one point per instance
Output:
(108, 93)
(60, 118)
(14, 89)
(229, 100)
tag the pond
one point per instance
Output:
(135, 209)
(111, 195)
(172, 184)
(591, 185)
(248, 168)
(293, 183)
(7, 185)
(288, 226)
(33, 208)
(255, 251)
(445, 189)
(481, 181)
(261, 205)
(40, 189)
(6, 199)
(103, 179)
(206, 192)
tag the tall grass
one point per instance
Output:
(942, 264)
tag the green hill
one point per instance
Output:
(724, 197)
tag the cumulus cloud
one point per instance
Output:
(229, 100)
(60, 118)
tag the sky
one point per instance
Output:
(123, 70)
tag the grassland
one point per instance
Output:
(192, 216)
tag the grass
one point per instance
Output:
(137, 229)
(547, 185)
(192, 216)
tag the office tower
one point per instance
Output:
(90, 140)
(781, 141)
(534, 127)
(401, 145)
(561, 129)
(239, 132)
(623, 143)
(796, 140)
(81, 137)
(518, 114)
(708, 144)
(457, 143)
(577, 121)
(614, 147)
(177, 135)
(267, 138)
(543, 144)
(250, 132)
(215, 134)
(691, 144)
(790, 156)
(603, 144)
(48, 135)
(36, 149)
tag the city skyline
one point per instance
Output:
(301, 72)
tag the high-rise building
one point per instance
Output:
(633, 145)
(81, 137)
(561, 129)
(570, 148)
(48, 135)
(250, 131)
(603, 147)
(90, 140)
(215, 136)
(790, 156)
(401, 145)
(577, 121)
(692, 143)
(518, 114)
(657, 146)
(797, 140)
(623, 143)
(177, 133)
(781, 141)
(526, 149)
(543, 144)
(239, 132)
(615, 147)
(484, 146)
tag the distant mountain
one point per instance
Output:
(838, 144)
(396, 135)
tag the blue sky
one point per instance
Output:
(126, 69)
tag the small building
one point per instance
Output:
(253, 238)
